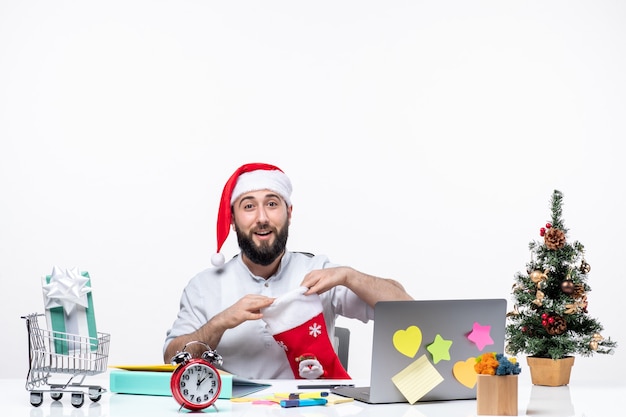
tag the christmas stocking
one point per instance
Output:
(297, 323)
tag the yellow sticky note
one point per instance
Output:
(408, 341)
(337, 399)
(152, 368)
(417, 379)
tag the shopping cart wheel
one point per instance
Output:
(36, 398)
(78, 399)
(95, 393)
(56, 395)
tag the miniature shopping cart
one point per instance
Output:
(69, 355)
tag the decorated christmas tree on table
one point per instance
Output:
(551, 316)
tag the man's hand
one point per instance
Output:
(247, 308)
(369, 288)
(321, 280)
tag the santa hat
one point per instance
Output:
(247, 178)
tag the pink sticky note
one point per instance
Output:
(480, 335)
(264, 402)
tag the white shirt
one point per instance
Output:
(249, 350)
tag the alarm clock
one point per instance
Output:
(196, 382)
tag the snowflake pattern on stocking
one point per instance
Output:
(315, 330)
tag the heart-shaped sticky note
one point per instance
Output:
(464, 372)
(408, 341)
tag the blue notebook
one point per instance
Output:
(155, 380)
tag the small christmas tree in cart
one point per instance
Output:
(550, 321)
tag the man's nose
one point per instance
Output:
(262, 215)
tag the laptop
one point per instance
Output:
(424, 350)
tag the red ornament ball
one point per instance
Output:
(548, 225)
(544, 316)
(542, 232)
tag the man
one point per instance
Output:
(222, 306)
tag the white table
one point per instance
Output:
(575, 400)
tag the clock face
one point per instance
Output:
(196, 384)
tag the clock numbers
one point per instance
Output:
(193, 379)
(196, 384)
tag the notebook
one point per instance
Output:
(425, 350)
(156, 379)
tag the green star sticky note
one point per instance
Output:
(440, 349)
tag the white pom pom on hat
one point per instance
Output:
(249, 177)
(217, 259)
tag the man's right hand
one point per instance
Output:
(247, 308)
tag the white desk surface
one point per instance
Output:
(578, 400)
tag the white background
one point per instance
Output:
(423, 139)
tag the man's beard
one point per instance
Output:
(265, 253)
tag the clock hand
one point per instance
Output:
(200, 381)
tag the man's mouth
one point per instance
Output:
(263, 233)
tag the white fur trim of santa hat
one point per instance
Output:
(275, 181)
(291, 310)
